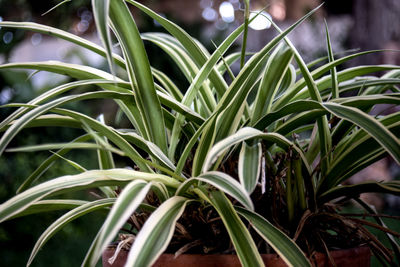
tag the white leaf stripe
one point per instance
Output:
(66, 218)
(156, 233)
(71, 183)
(128, 201)
(240, 236)
(283, 245)
(221, 181)
(248, 133)
(250, 165)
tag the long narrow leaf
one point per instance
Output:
(65, 219)
(250, 165)
(70, 183)
(156, 233)
(44, 29)
(244, 244)
(197, 53)
(335, 89)
(45, 165)
(383, 136)
(282, 244)
(51, 205)
(100, 11)
(128, 201)
(223, 182)
(355, 190)
(139, 71)
(276, 67)
(244, 134)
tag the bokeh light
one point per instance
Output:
(8, 37)
(227, 12)
(209, 14)
(36, 39)
(260, 22)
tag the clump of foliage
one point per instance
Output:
(256, 163)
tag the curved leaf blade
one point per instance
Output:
(240, 236)
(139, 71)
(250, 165)
(70, 183)
(283, 245)
(65, 219)
(156, 233)
(381, 134)
(223, 182)
(100, 11)
(127, 202)
(248, 133)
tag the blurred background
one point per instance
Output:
(353, 24)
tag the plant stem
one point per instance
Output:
(246, 27)
(289, 191)
(300, 184)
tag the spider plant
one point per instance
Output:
(261, 157)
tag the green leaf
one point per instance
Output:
(65, 219)
(156, 233)
(233, 100)
(193, 48)
(168, 84)
(119, 141)
(54, 93)
(72, 70)
(147, 146)
(100, 11)
(290, 108)
(29, 116)
(107, 131)
(277, 65)
(242, 241)
(62, 35)
(175, 51)
(372, 126)
(357, 152)
(199, 80)
(85, 72)
(72, 163)
(353, 191)
(189, 146)
(204, 145)
(226, 62)
(246, 28)
(71, 183)
(324, 137)
(223, 182)
(128, 201)
(45, 165)
(335, 89)
(139, 71)
(245, 134)
(250, 165)
(365, 83)
(105, 157)
(52, 146)
(48, 120)
(290, 253)
(54, 7)
(51, 205)
(325, 82)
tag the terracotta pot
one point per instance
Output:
(356, 257)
